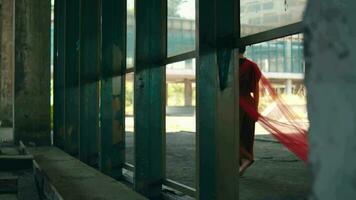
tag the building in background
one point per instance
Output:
(280, 60)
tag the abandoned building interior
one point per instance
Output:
(139, 99)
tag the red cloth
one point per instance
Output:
(289, 133)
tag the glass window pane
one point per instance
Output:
(282, 63)
(130, 33)
(181, 26)
(180, 122)
(283, 55)
(129, 118)
(262, 15)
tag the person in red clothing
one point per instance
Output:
(249, 76)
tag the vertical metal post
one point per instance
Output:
(217, 107)
(89, 87)
(149, 96)
(72, 90)
(59, 73)
(112, 106)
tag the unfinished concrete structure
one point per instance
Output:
(87, 158)
(7, 62)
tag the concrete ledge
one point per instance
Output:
(60, 176)
(8, 184)
(15, 162)
(180, 110)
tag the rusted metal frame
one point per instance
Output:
(112, 106)
(59, 74)
(89, 91)
(72, 86)
(149, 91)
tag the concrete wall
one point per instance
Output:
(6, 62)
(331, 83)
(32, 71)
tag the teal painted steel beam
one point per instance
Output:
(112, 113)
(59, 74)
(112, 109)
(149, 96)
(113, 37)
(72, 89)
(217, 105)
(89, 91)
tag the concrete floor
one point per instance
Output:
(276, 174)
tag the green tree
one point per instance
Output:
(173, 7)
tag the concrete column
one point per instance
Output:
(32, 71)
(330, 55)
(6, 63)
(289, 87)
(188, 92)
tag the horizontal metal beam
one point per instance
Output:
(270, 34)
(180, 57)
(130, 70)
(170, 60)
(129, 167)
(180, 187)
(167, 182)
(127, 176)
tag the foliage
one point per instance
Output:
(175, 92)
(129, 98)
(173, 7)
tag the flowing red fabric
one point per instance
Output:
(289, 131)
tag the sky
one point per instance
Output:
(187, 9)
